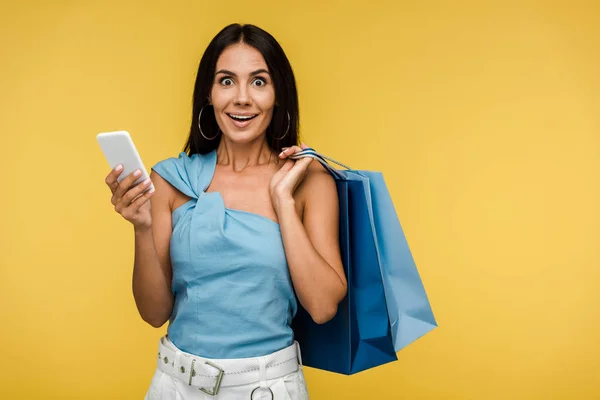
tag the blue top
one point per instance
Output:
(233, 292)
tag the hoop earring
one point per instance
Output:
(287, 130)
(200, 127)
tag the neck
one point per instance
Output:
(241, 155)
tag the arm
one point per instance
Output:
(152, 268)
(312, 243)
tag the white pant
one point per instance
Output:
(182, 376)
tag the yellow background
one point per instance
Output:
(484, 118)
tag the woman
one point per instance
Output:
(235, 233)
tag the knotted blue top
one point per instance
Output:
(233, 292)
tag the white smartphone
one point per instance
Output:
(118, 148)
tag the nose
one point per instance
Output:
(242, 97)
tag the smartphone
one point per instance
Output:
(118, 148)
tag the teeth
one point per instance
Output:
(242, 117)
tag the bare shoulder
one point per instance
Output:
(317, 187)
(318, 175)
(165, 192)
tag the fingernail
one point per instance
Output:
(119, 167)
(282, 154)
(147, 182)
(137, 172)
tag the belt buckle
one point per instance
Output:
(215, 388)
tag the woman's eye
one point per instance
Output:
(260, 82)
(226, 81)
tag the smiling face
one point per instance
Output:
(243, 95)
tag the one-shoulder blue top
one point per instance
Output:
(233, 291)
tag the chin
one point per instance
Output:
(242, 137)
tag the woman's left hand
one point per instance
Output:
(286, 180)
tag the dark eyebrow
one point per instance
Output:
(227, 72)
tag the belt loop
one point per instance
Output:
(299, 354)
(262, 363)
(176, 362)
(192, 372)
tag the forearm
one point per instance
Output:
(318, 286)
(151, 287)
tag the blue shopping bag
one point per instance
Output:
(386, 307)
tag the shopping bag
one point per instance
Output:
(386, 307)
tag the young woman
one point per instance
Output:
(234, 233)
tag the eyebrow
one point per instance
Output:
(227, 72)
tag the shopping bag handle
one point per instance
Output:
(309, 152)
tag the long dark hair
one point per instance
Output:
(286, 94)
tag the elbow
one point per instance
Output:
(324, 315)
(326, 312)
(154, 322)
(153, 311)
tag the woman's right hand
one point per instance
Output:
(129, 201)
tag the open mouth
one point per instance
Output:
(241, 118)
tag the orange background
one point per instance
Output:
(483, 116)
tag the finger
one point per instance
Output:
(285, 168)
(133, 193)
(140, 201)
(298, 170)
(288, 151)
(111, 179)
(304, 162)
(125, 184)
(125, 206)
(304, 146)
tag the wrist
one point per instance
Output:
(142, 230)
(284, 203)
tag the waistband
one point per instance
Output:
(211, 374)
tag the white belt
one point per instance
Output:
(209, 374)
